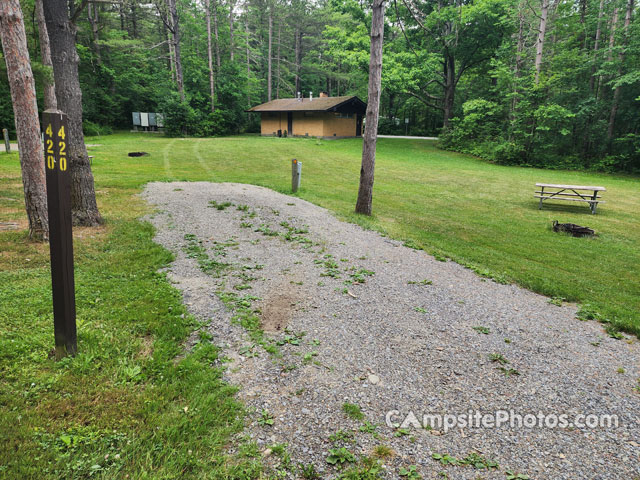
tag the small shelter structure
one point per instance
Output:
(324, 117)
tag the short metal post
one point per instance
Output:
(296, 173)
(7, 144)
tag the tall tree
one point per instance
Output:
(212, 84)
(62, 35)
(542, 30)
(23, 95)
(177, 53)
(616, 92)
(365, 191)
(49, 86)
(270, 55)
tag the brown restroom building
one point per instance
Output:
(324, 117)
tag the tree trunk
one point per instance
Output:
(616, 92)
(172, 63)
(540, 43)
(518, 63)
(231, 6)
(134, 19)
(49, 86)
(212, 86)
(175, 25)
(92, 16)
(449, 89)
(298, 59)
(596, 46)
(23, 96)
(215, 32)
(269, 55)
(278, 64)
(365, 191)
(246, 33)
(62, 35)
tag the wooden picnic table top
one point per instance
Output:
(572, 187)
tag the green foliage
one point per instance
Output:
(340, 456)
(353, 411)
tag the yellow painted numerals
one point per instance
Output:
(51, 159)
(63, 153)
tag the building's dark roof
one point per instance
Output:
(320, 104)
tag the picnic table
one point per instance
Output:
(570, 193)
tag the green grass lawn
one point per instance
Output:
(125, 395)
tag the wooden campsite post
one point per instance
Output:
(7, 143)
(60, 233)
(296, 173)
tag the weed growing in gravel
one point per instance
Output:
(620, 370)
(291, 338)
(509, 371)
(330, 268)
(353, 411)
(613, 332)
(342, 437)
(420, 282)
(472, 459)
(308, 472)
(369, 428)
(445, 459)
(587, 312)
(340, 456)
(220, 206)
(401, 432)
(557, 301)
(511, 475)
(497, 357)
(359, 276)
(246, 316)
(195, 250)
(266, 419)
(243, 208)
(308, 357)
(483, 330)
(246, 225)
(420, 310)
(265, 230)
(248, 351)
(637, 387)
(367, 469)
(479, 462)
(411, 472)
(281, 451)
(383, 451)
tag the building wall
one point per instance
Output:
(313, 124)
(272, 122)
(339, 127)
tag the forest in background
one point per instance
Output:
(547, 83)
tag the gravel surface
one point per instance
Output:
(363, 320)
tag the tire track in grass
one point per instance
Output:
(167, 162)
(196, 152)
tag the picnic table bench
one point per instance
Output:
(570, 193)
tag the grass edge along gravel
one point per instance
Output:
(129, 405)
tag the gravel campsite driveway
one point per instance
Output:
(352, 317)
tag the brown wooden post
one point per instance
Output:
(60, 233)
(7, 143)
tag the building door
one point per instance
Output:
(358, 125)
(290, 123)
